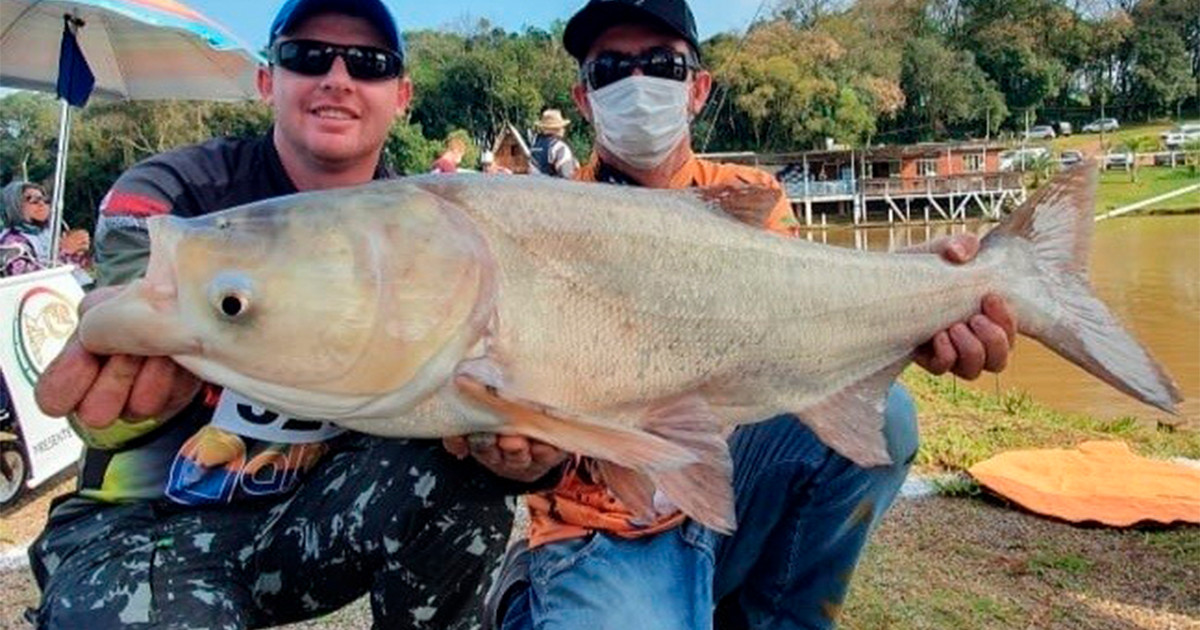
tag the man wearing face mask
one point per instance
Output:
(804, 512)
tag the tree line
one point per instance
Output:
(857, 72)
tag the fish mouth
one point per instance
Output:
(143, 319)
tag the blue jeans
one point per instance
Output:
(804, 515)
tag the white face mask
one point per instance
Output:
(641, 119)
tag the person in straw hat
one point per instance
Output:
(550, 153)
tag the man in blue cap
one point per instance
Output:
(804, 512)
(196, 508)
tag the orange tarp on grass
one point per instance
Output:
(1101, 482)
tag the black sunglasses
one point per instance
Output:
(662, 62)
(314, 58)
(36, 198)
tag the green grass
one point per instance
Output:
(965, 560)
(1184, 549)
(1117, 189)
(961, 426)
(958, 485)
(1058, 566)
(943, 564)
(962, 561)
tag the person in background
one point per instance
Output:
(25, 239)
(550, 153)
(451, 157)
(803, 511)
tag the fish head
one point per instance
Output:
(357, 299)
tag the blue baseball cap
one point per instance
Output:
(597, 16)
(293, 12)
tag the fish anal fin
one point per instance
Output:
(747, 203)
(633, 489)
(628, 447)
(851, 421)
(702, 490)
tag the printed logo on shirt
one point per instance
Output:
(215, 466)
(245, 451)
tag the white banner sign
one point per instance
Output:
(38, 313)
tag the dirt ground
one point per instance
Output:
(939, 564)
(22, 522)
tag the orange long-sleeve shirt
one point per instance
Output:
(578, 506)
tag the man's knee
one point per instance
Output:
(133, 606)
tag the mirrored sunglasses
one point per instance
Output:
(314, 58)
(609, 67)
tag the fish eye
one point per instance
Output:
(233, 305)
(231, 295)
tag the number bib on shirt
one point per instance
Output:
(239, 415)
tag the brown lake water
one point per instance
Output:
(1147, 269)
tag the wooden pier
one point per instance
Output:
(897, 184)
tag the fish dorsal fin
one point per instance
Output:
(746, 203)
(631, 448)
(851, 421)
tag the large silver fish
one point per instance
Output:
(630, 325)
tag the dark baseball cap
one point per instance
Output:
(293, 12)
(598, 16)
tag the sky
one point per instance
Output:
(250, 19)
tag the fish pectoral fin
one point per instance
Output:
(703, 490)
(629, 447)
(746, 203)
(851, 421)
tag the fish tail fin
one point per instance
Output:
(1057, 306)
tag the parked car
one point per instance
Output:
(1102, 124)
(1120, 158)
(1021, 159)
(1181, 135)
(1039, 132)
(1070, 157)
(1064, 128)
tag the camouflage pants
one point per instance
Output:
(402, 520)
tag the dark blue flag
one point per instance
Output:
(75, 78)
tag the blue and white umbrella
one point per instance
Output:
(119, 50)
